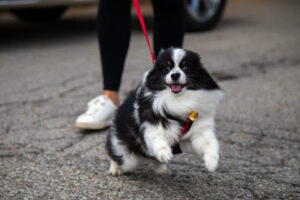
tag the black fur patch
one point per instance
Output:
(146, 112)
(127, 129)
(198, 77)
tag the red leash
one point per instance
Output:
(140, 16)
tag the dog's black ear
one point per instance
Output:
(195, 55)
(193, 59)
(199, 58)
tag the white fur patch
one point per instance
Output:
(159, 139)
(177, 56)
(136, 112)
(145, 77)
(203, 101)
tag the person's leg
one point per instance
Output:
(168, 24)
(114, 35)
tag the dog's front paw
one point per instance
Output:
(211, 162)
(164, 154)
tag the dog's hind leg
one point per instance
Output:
(122, 159)
(130, 163)
(114, 169)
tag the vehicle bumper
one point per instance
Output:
(7, 4)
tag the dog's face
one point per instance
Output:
(178, 70)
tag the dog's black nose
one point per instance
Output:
(175, 76)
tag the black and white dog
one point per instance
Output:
(148, 124)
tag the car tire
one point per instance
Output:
(202, 15)
(39, 14)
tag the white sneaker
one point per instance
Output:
(99, 114)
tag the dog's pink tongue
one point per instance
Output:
(176, 87)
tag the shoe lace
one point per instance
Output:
(96, 104)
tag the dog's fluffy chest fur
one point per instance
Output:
(171, 111)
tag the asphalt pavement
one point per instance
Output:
(48, 73)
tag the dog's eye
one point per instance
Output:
(184, 66)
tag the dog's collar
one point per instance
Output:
(184, 129)
(187, 125)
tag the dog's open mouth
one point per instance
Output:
(176, 88)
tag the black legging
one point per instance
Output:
(114, 25)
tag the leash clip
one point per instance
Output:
(193, 115)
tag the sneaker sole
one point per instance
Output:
(91, 126)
